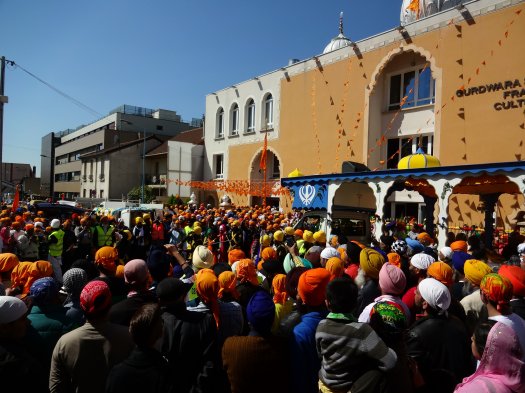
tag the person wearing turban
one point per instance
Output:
(437, 341)
(311, 289)
(247, 283)
(336, 267)
(392, 283)
(320, 238)
(516, 276)
(8, 262)
(19, 277)
(72, 364)
(370, 262)
(459, 245)
(474, 271)
(496, 293)
(38, 269)
(419, 264)
(283, 303)
(250, 360)
(234, 255)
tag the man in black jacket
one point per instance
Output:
(437, 342)
(189, 340)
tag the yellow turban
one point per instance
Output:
(278, 236)
(336, 267)
(308, 237)
(265, 241)
(320, 237)
(475, 271)
(371, 262)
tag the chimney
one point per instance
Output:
(34, 172)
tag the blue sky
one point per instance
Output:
(158, 54)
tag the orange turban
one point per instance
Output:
(106, 258)
(119, 273)
(336, 267)
(235, 255)
(20, 274)
(459, 245)
(441, 272)
(8, 261)
(269, 253)
(423, 236)
(207, 287)
(227, 284)
(394, 259)
(312, 286)
(39, 269)
(516, 276)
(246, 272)
(279, 289)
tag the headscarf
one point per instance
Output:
(497, 288)
(447, 252)
(136, 272)
(312, 286)
(394, 259)
(475, 271)
(39, 269)
(246, 272)
(400, 247)
(422, 261)
(279, 289)
(371, 262)
(441, 272)
(227, 284)
(392, 280)
(458, 260)
(336, 267)
(20, 274)
(235, 255)
(44, 291)
(435, 294)
(459, 245)
(207, 287)
(95, 298)
(501, 368)
(74, 280)
(260, 312)
(106, 257)
(8, 261)
(516, 276)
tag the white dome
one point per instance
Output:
(340, 41)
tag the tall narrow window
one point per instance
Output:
(268, 111)
(220, 123)
(219, 166)
(250, 116)
(235, 120)
(276, 170)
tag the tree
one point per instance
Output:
(135, 194)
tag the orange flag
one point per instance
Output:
(262, 164)
(414, 6)
(16, 199)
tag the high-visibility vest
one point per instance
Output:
(55, 249)
(104, 239)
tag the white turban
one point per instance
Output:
(422, 261)
(330, 252)
(521, 248)
(11, 309)
(435, 294)
(202, 258)
(447, 253)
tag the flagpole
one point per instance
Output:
(264, 187)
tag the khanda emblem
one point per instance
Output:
(307, 194)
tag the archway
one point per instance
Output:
(273, 174)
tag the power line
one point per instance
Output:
(67, 96)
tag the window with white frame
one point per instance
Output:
(250, 116)
(415, 84)
(268, 111)
(398, 148)
(220, 123)
(234, 120)
(219, 166)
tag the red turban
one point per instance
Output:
(516, 276)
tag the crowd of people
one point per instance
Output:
(238, 300)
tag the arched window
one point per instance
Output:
(250, 116)
(220, 123)
(234, 120)
(268, 112)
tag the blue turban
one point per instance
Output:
(261, 312)
(158, 264)
(416, 246)
(458, 260)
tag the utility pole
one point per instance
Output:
(3, 100)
